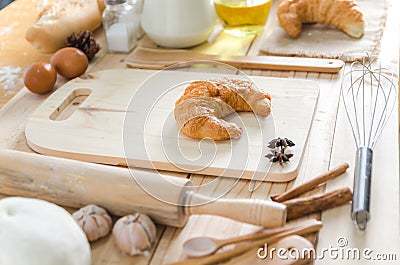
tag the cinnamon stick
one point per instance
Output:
(306, 186)
(307, 205)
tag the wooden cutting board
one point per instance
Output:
(125, 117)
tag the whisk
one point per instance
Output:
(369, 97)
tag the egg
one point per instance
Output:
(40, 77)
(69, 62)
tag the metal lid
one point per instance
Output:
(114, 2)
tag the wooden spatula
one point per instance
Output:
(157, 59)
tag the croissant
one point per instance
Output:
(342, 14)
(199, 111)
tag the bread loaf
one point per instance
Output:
(59, 19)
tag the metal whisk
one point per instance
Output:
(369, 96)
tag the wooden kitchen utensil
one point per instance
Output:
(157, 59)
(309, 226)
(90, 119)
(203, 246)
(168, 200)
(291, 244)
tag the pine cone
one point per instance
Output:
(84, 41)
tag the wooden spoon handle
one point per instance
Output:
(259, 234)
(308, 226)
(143, 56)
(298, 243)
(284, 63)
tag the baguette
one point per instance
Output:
(59, 19)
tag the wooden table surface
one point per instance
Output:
(330, 144)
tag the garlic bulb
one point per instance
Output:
(94, 221)
(134, 234)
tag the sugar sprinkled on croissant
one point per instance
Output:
(342, 14)
(199, 110)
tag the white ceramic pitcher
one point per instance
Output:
(178, 23)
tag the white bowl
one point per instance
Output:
(178, 23)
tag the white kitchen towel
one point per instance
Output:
(323, 41)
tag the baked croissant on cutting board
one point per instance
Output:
(342, 14)
(199, 111)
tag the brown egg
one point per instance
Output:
(40, 77)
(69, 62)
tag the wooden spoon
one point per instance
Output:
(305, 227)
(203, 246)
(267, 256)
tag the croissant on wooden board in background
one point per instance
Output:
(199, 110)
(342, 14)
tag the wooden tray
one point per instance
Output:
(91, 119)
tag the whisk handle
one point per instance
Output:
(362, 187)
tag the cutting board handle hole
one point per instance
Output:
(70, 104)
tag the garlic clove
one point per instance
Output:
(93, 230)
(139, 237)
(103, 224)
(148, 226)
(121, 239)
(134, 234)
(94, 221)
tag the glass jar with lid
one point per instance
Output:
(119, 26)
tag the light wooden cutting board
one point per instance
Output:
(125, 117)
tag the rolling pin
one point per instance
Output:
(168, 200)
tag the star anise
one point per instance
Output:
(278, 147)
(277, 156)
(280, 142)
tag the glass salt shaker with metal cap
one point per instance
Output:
(119, 26)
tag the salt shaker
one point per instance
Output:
(119, 25)
(138, 6)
